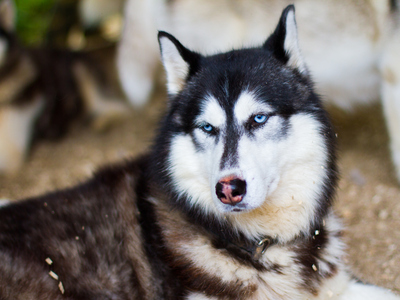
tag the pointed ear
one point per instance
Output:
(284, 42)
(179, 62)
(7, 15)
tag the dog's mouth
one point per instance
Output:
(237, 210)
(241, 207)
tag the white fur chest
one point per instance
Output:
(281, 275)
(283, 282)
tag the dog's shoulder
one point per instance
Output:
(91, 231)
(109, 189)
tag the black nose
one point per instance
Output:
(230, 190)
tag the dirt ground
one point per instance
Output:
(368, 198)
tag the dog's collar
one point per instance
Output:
(252, 249)
(256, 249)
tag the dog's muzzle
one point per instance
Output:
(230, 190)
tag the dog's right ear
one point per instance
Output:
(179, 63)
(284, 43)
(7, 15)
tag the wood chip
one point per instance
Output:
(314, 267)
(49, 261)
(61, 287)
(53, 275)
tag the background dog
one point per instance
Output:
(43, 91)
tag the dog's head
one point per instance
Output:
(245, 134)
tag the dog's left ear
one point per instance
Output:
(179, 63)
(284, 42)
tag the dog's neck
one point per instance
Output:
(224, 236)
(180, 225)
(251, 249)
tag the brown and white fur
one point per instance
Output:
(42, 91)
(350, 46)
(233, 200)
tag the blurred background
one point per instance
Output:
(69, 23)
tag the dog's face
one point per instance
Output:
(244, 128)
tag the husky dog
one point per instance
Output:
(350, 46)
(232, 202)
(42, 91)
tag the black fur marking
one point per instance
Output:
(276, 41)
(230, 155)
(309, 251)
(331, 182)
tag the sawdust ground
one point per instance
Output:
(368, 198)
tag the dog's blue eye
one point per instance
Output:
(207, 128)
(260, 119)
